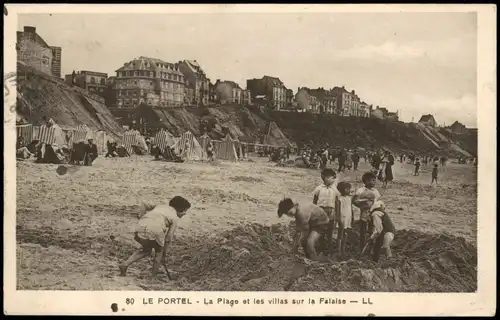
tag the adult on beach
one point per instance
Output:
(389, 159)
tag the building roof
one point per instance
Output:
(231, 83)
(150, 64)
(456, 123)
(341, 89)
(426, 117)
(94, 73)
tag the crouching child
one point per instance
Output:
(383, 230)
(311, 223)
(155, 231)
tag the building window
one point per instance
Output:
(92, 80)
(103, 81)
(135, 82)
(151, 73)
(136, 73)
(142, 92)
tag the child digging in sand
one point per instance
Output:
(155, 230)
(383, 230)
(361, 199)
(311, 223)
(343, 213)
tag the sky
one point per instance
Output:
(417, 63)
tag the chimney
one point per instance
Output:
(353, 92)
(343, 87)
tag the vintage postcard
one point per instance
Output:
(250, 160)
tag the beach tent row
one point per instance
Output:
(55, 134)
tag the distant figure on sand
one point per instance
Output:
(435, 174)
(311, 223)
(155, 230)
(417, 167)
(388, 176)
(355, 159)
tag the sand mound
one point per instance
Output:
(256, 257)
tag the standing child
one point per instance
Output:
(344, 216)
(435, 174)
(417, 167)
(362, 199)
(155, 230)
(311, 223)
(324, 196)
(383, 230)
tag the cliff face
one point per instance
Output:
(40, 95)
(251, 124)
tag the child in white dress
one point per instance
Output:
(344, 216)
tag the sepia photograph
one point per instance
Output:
(247, 151)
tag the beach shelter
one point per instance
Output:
(101, 139)
(80, 134)
(189, 142)
(163, 139)
(25, 131)
(225, 149)
(133, 138)
(51, 134)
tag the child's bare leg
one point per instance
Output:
(388, 237)
(342, 249)
(311, 244)
(340, 237)
(141, 254)
(157, 262)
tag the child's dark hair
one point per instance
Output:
(179, 203)
(368, 176)
(328, 172)
(343, 185)
(284, 206)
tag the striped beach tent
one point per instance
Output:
(100, 139)
(189, 142)
(133, 138)
(204, 141)
(225, 149)
(52, 134)
(163, 139)
(80, 134)
(25, 131)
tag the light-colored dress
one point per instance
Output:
(345, 203)
(155, 223)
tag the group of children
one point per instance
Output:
(332, 206)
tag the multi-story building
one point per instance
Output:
(457, 127)
(56, 61)
(428, 119)
(290, 98)
(92, 81)
(315, 100)
(246, 97)
(228, 92)
(150, 81)
(345, 100)
(383, 113)
(33, 50)
(269, 88)
(364, 109)
(197, 81)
